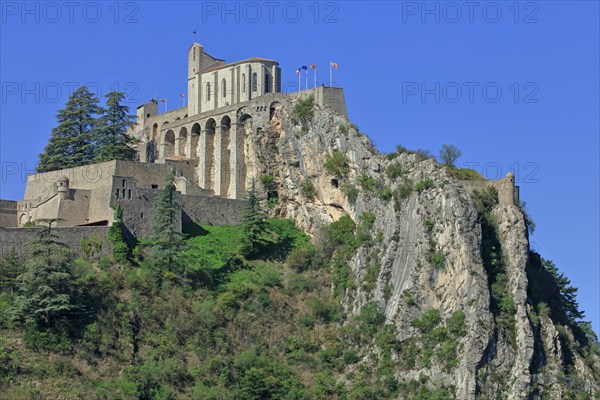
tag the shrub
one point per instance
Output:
(465, 174)
(337, 164)
(386, 194)
(369, 184)
(394, 171)
(351, 192)
(304, 111)
(437, 259)
(308, 189)
(342, 129)
(301, 258)
(424, 185)
(427, 322)
(456, 324)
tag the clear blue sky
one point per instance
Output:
(412, 76)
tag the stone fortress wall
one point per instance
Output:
(508, 193)
(205, 142)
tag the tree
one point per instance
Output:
(168, 241)
(111, 140)
(449, 154)
(254, 224)
(71, 143)
(47, 288)
(120, 250)
(567, 293)
(10, 269)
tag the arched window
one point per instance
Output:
(224, 87)
(208, 91)
(254, 82)
(243, 83)
(267, 84)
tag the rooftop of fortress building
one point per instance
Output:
(233, 64)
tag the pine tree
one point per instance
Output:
(71, 143)
(47, 288)
(168, 242)
(254, 224)
(10, 269)
(111, 140)
(568, 293)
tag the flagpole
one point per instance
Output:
(299, 77)
(315, 76)
(306, 79)
(330, 74)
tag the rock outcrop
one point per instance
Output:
(429, 252)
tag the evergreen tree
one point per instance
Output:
(254, 224)
(71, 143)
(111, 140)
(120, 249)
(568, 293)
(10, 268)
(47, 288)
(168, 242)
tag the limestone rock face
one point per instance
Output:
(429, 252)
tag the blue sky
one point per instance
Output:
(514, 85)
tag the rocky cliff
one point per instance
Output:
(436, 252)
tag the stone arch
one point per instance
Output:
(223, 155)
(154, 131)
(22, 219)
(195, 139)
(169, 144)
(208, 159)
(182, 142)
(243, 131)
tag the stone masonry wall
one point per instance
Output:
(8, 213)
(18, 239)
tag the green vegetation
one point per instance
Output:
(167, 241)
(120, 249)
(394, 171)
(449, 154)
(369, 184)
(435, 340)
(342, 129)
(255, 226)
(501, 303)
(337, 164)
(465, 174)
(422, 154)
(424, 185)
(111, 140)
(303, 111)
(131, 331)
(308, 189)
(351, 192)
(88, 133)
(403, 191)
(386, 193)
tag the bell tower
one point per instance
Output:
(195, 54)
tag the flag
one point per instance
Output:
(298, 71)
(163, 100)
(313, 66)
(304, 67)
(334, 65)
(182, 94)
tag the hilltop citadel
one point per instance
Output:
(206, 142)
